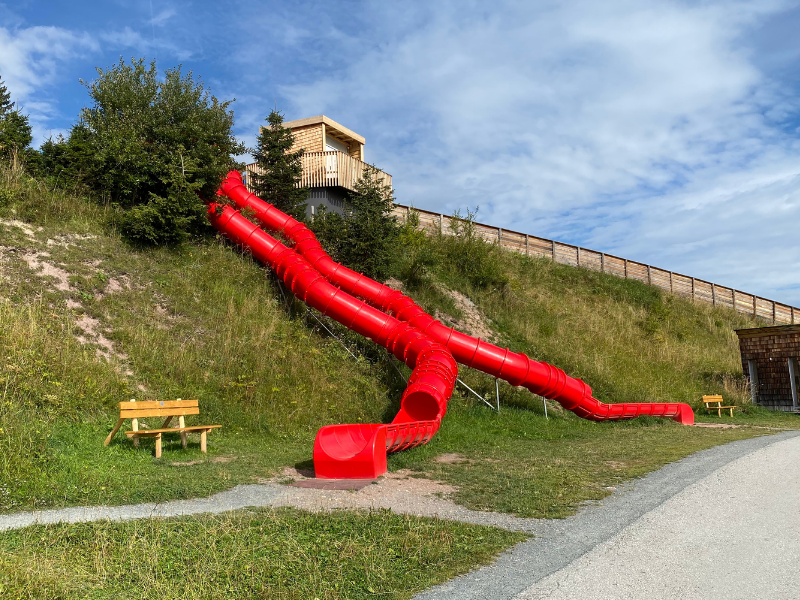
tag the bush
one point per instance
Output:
(364, 238)
(470, 256)
(156, 147)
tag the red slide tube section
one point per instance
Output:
(515, 368)
(357, 451)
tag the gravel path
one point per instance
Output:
(396, 491)
(722, 523)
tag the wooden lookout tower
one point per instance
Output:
(332, 162)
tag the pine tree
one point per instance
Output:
(364, 238)
(5, 99)
(281, 169)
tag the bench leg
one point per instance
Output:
(182, 423)
(731, 413)
(135, 427)
(113, 431)
(719, 412)
(203, 441)
(158, 446)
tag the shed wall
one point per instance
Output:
(771, 355)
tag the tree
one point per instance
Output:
(364, 238)
(280, 169)
(15, 129)
(5, 99)
(157, 148)
(15, 134)
(71, 159)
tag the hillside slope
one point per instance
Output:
(87, 321)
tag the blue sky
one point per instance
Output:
(666, 132)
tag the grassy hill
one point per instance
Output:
(86, 321)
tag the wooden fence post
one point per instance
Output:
(755, 310)
(649, 276)
(774, 320)
(579, 256)
(602, 262)
(626, 267)
(713, 295)
(553, 244)
(671, 289)
(692, 289)
(441, 223)
(527, 252)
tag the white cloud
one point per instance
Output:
(142, 44)
(163, 16)
(30, 63)
(29, 58)
(566, 118)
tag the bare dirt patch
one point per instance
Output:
(718, 425)
(22, 226)
(47, 269)
(399, 491)
(93, 335)
(452, 458)
(119, 284)
(216, 459)
(65, 240)
(473, 321)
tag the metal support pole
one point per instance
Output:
(393, 362)
(544, 403)
(497, 390)
(333, 335)
(477, 395)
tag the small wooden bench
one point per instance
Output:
(715, 403)
(160, 408)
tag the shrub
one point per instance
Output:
(470, 256)
(155, 147)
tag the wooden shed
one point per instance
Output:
(771, 358)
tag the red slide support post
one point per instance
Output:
(357, 451)
(515, 368)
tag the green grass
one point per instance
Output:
(280, 553)
(203, 321)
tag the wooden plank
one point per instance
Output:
(158, 412)
(152, 432)
(157, 404)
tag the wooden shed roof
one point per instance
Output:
(343, 131)
(766, 331)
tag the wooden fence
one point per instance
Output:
(675, 283)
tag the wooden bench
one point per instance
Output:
(160, 408)
(710, 401)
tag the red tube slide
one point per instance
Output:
(515, 368)
(357, 451)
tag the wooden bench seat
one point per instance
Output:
(165, 408)
(715, 403)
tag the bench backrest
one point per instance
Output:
(158, 408)
(712, 399)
